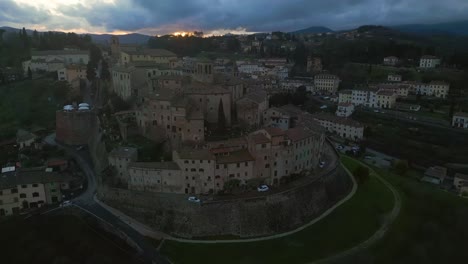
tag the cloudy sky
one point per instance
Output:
(220, 16)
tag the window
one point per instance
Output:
(201, 170)
(22, 195)
(35, 185)
(14, 190)
(24, 186)
(238, 165)
(35, 194)
(267, 166)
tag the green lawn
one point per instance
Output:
(431, 228)
(349, 224)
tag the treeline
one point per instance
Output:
(16, 47)
(191, 46)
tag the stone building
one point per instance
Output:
(429, 62)
(74, 126)
(250, 108)
(283, 117)
(119, 159)
(343, 127)
(29, 188)
(265, 155)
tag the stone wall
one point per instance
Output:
(247, 217)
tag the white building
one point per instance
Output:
(460, 120)
(327, 83)
(343, 127)
(434, 88)
(428, 62)
(394, 78)
(344, 109)
(390, 61)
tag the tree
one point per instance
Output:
(91, 71)
(105, 74)
(29, 73)
(401, 167)
(361, 174)
(221, 117)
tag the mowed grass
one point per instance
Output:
(351, 223)
(431, 227)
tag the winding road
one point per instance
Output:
(86, 202)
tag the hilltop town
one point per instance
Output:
(192, 138)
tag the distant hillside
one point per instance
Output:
(451, 28)
(133, 38)
(312, 30)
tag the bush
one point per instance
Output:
(401, 167)
(361, 174)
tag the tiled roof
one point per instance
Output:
(259, 138)
(462, 114)
(123, 152)
(275, 131)
(234, 157)
(59, 52)
(461, 176)
(195, 154)
(155, 165)
(436, 172)
(298, 133)
(337, 120)
(152, 52)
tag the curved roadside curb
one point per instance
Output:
(379, 233)
(247, 240)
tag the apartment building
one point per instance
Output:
(283, 117)
(327, 83)
(390, 61)
(434, 88)
(429, 62)
(344, 109)
(343, 127)
(394, 78)
(460, 120)
(29, 188)
(159, 56)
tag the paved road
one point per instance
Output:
(379, 234)
(86, 202)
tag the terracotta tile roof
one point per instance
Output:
(155, 165)
(275, 131)
(298, 133)
(234, 157)
(462, 114)
(259, 138)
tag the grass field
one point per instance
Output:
(349, 224)
(431, 228)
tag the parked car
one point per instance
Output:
(79, 148)
(193, 199)
(340, 147)
(65, 203)
(376, 111)
(322, 164)
(263, 188)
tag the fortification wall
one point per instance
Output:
(247, 217)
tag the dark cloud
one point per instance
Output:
(164, 16)
(13, 12)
